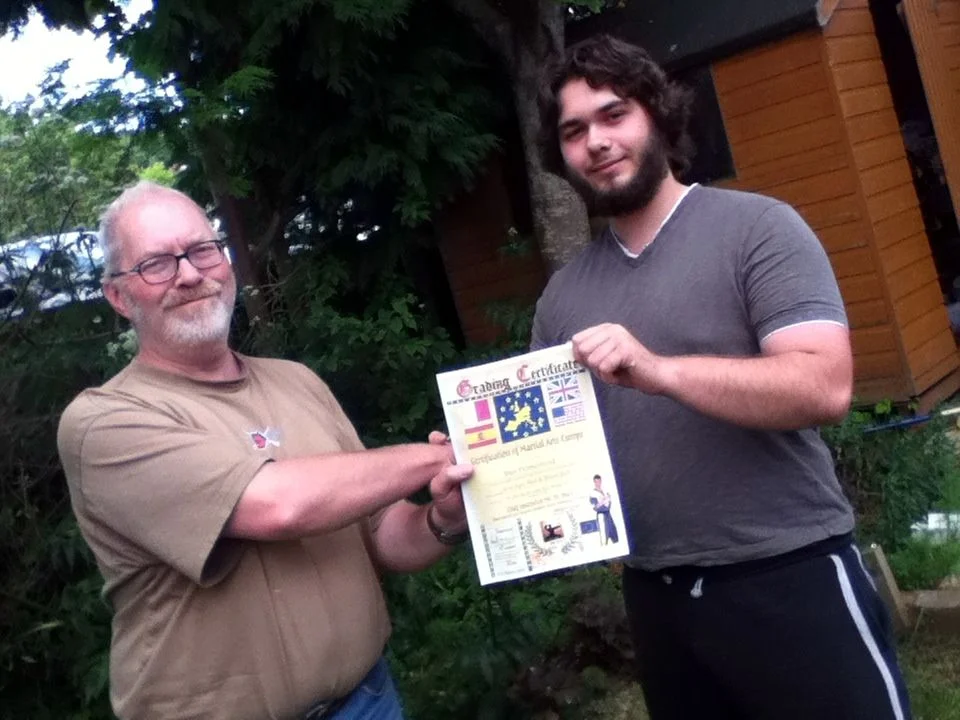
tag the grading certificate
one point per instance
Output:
(543, 496)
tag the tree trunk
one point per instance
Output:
(250, 275)
(559, 215)
(526, 37)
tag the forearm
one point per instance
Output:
(321, 493)
(403, 542)
(788, 391)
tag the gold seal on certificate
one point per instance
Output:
(543, 496)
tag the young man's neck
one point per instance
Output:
(638, 229)
(210, 362)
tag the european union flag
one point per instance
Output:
(521, 414)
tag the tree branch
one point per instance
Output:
(493, 26)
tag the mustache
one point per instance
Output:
(600, 164)
(207, 288)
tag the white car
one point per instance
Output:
(49, 271)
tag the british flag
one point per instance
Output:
(563, 389)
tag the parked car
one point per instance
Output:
(49, 271)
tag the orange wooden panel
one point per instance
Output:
(917, 304)
(948, 11)
(771, 120)
(867, 314)
(931, 353)
(766, 62)
(951, 55)
(860, 288)
(866, 341)
(924, 328)
(904, 253)
(852, 262)
(896, 388)
(864, 73)
(939, 371)
(794, 167)
(838, 238)
(779, 89)
(890, 202)
(808, 191)
(912, 279)
(788, 143)
(831, 212)
(866, 100)
(850, 21)
(852, 49)
(898, 227)
(877, 152)
(872, 126)
(927, 31)
(885, 177)
(877, 365)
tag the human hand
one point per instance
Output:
(618, 358)
(438, 438)
(448, 510)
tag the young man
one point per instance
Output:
(715, 324)
(239, 524)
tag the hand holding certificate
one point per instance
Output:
(543, 496)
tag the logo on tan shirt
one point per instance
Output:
(264, 438)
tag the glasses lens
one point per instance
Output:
(205, 255)
(158, 269)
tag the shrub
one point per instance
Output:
(893, 477)
(923, 563)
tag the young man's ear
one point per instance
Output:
(116, 298)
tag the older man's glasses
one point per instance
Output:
(159, 269)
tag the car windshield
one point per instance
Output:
(49, 271)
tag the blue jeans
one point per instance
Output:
(375, 698)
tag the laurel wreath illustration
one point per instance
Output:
(572, 543)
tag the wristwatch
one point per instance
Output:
(442, 536)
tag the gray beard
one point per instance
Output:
(636, 194)
(213, 326)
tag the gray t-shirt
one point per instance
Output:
(726, 270)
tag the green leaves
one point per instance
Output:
(893, 477)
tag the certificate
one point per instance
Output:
(543, 495)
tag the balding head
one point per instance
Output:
(111, 237)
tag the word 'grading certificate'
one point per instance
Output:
(543, 496)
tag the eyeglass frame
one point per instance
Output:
(220, 244)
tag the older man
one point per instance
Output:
(237, 520)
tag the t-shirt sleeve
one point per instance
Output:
(162, 485)
(785, 274)
(543, 333)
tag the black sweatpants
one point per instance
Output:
(803, 636)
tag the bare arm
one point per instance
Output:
(321, 493)
(803, 377)
(403, 542)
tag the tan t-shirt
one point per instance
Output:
(203, 626)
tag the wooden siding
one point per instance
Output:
(902, 248)
(471, 233)
(790, 128)
(935, 31)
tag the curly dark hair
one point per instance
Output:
(605, 61)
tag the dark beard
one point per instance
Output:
(633, 196)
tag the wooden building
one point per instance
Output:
(849, 110)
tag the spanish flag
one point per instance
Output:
(482, 435)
